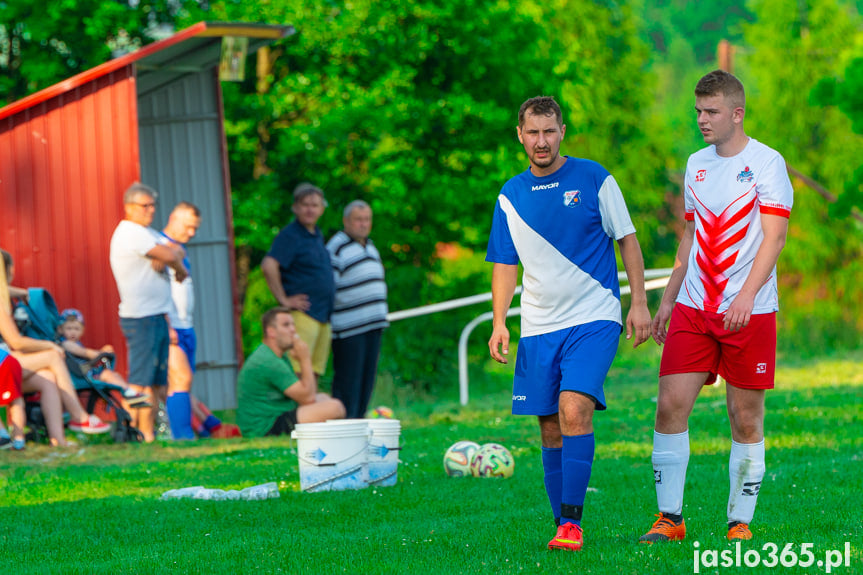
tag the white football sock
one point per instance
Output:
(745, 470)
(670, 458)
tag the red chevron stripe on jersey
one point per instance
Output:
(718, 239)
(742, 190)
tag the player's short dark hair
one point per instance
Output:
(725, 83)
(540, 106)
(269, 317)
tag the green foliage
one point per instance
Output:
(422, 353)
(847, 95)
(258, 300)
(700, 26)
(820, 310)
(44, 42)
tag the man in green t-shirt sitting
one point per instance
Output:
(271, 399)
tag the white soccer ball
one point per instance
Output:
(457, 459)
(492, 460)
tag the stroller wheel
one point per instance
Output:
(127, 434)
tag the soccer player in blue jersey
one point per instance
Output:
(559, 219)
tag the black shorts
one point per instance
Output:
(284, 424)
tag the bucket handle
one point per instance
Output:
(384, 478)
(351, 471)
(301, 458)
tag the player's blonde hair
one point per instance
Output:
(725, 83)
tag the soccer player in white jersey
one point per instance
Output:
(722, 301)
(560, 219)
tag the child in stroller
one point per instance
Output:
(97, 363)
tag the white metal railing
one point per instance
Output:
(655, 279)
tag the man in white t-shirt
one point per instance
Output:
(138, 260)
(722, 300)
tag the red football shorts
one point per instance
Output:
(10, 380)
(697, 341)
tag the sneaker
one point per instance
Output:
(18, 445)
(136, 399)
(569, 538)
(225, 431)
(92, 426)
(739, 531)
(5, 443)
(664, 529)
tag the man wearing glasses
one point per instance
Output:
(138, 261)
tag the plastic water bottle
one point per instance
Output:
(210, 494)
(185, 492)
(254, 493)
(260, 492)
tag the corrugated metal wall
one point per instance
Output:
(64, 164)
(181, 153)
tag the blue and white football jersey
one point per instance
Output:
(562, 228)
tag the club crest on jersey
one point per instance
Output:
(700, 175)
(745, 176)
(571, 198)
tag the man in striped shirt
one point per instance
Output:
(360, 312)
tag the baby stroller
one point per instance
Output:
(38, 318)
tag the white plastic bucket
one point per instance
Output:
(332, 457)
(384, 451)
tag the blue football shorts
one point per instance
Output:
(188, 342)
(572, 359)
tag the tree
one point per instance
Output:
(847, 95)
(701, 25)
(43, 42)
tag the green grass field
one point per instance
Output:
(95, 508)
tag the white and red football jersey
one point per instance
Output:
(726, 197)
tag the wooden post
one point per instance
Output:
(725, 56)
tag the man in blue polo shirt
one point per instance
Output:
(560, 219)
(299, 273)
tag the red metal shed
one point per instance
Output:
(68, 152)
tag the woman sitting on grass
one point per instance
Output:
(44, 370)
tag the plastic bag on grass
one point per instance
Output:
(254, 493)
